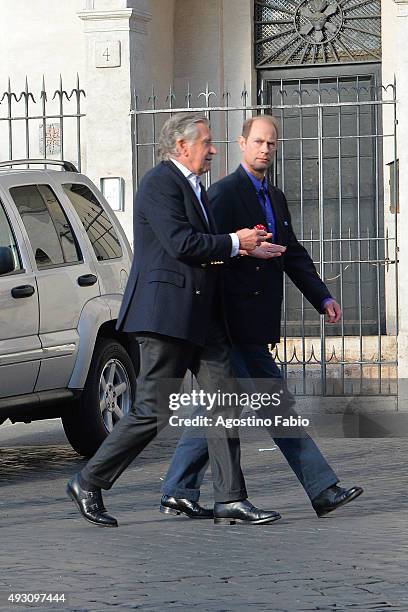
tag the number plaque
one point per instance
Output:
(107, 54)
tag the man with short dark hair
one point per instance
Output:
(253, 294)
(171, 308)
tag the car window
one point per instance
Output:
(98, 226)
(7, 238)
(47, 226)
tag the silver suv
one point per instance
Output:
(64, 263)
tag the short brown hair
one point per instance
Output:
(247, 125)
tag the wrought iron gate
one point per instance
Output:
(42, 123)
(331, 164)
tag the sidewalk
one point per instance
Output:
(355, 558)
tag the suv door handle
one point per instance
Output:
(22, 291)
(86, 280)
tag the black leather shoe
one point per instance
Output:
(242, 512)
(90, 504)
(171, 505)
(332, 498)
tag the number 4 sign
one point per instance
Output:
(107, 54)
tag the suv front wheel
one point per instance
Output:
(108, 395)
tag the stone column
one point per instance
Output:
(401, 63)
(115, 66)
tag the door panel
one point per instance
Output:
(352, 209)
(60, 261)
(20, 346)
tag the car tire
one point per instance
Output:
(108, 395)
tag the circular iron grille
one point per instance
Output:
(305, 32)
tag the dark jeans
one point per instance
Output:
(164, 362)
(190, 460)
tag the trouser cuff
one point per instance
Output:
(98, 482)
(224, 497)
(192, 495)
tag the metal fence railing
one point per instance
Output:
(337, 150)
(40, 122)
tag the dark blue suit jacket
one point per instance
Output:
(254, 287)
(171, 285)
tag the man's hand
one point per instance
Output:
(333, 311)
(267, 250)
(251, 238)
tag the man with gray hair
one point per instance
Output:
(172, 308)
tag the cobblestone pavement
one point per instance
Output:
(354, 559)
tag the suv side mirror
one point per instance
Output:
(6, 260)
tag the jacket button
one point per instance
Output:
(198, 292)
(257, 292)
(257, 269)
(203, 265)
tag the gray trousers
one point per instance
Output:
(164, 362)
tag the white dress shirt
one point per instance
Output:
(195, 183)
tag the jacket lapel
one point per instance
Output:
(196, 204)
(277, 215)
(211, 220)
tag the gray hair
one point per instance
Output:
(179, 126)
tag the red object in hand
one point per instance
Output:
(259, 226)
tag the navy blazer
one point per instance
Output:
(171, 285)
(254, 287)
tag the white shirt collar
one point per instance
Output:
(193, 178)
(187, 173)
(194, 181)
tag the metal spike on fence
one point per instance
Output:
(170, 96)
(244, 95)
(152, 98)
(312, 355)
(333, 355)
(27, 93)
(226, 96)
(135, 105)
(291, 358)
(188, 95)
(277, 356)
(77, 90)
(59, 92)
(8, 94)
(43, 94)
(207, 95)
